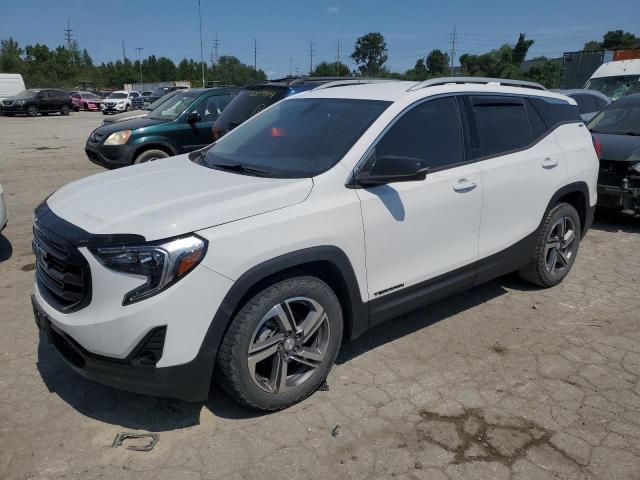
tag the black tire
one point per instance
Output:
(8, 114)
(233, 365)
(150, 156)
(76, 108)
(86, 107)
(32, 111)
(64, 110)
(126, 108)
(538, 271)
(104, 113)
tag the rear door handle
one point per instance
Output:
(465, 185)
(549, 163)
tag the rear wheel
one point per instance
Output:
(150, 156)
(556, 249)
(64, 110)
(282, 343)
(32, 111)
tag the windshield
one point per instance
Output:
(173, 107)
(27, 93)
(297, 138)
(117, 95)
(246, 104)
(90, 96)
(615, 87)
(155, 104)
(622, 118)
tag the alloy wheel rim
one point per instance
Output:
(288, 345)
(559, 249)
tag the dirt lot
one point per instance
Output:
(500, 382)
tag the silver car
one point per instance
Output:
(590, 102)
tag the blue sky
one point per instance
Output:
(283, 30)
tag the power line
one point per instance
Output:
(201, 46)
(454, 39)
(68, 34)
(216, 45)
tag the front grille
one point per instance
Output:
(7, 103)
(96, 137)
(62, 273)
(109, 104)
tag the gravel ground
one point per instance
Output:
(503, 381)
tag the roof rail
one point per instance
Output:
(351, 81)
(482, 80)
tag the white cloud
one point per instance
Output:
(333, 9)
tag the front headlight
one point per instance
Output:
(635, 168)
(118, 138)
(21, 102)
(162, 264)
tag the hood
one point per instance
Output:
(619, 147)
(170, 197)
(128, 123)
(121, 117)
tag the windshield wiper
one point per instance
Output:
(239, 168)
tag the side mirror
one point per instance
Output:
(391, 169)
(193, 117)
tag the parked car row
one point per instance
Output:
(256, 254)
(147, 98)
(36, 101)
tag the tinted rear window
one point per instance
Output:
(246, 104)
(555, 111)
(586, 103)
(502, 125)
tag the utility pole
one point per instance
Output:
(201, 46)
(124, 55)
(68, 34)
(311, 51)
(338, 62)
(216, 44)
(139, 60)
(255, 54)
(454, 39)
(290, 65)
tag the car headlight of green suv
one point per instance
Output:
(118, 138)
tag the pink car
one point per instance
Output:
(86, 101)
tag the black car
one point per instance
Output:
(616, 132)
(38, 100)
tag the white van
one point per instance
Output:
(616, 79)
(10, 85)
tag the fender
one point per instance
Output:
(356, 314)
(146, 143)
(586, 215)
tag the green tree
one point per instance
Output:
(592, 45)
(10, 56)
(326, 69)
(521, 48)
(418, 72)
(370, 54)
(87, 61)
(437, 62)
(547, 73)
(618, 40)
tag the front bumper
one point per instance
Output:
(190, 381)
(619, 187)
(14, 108)
(113, 108)
(113, 156)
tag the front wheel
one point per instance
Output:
(282, 343)
(556, 249)
(150, 156)
(32, 111)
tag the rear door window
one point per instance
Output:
(586, 103)
(501, 123)
(555, 111)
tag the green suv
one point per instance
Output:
(179, 125)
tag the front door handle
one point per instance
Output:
(465, 185)
(549, 162)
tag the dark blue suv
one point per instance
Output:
(257, 96)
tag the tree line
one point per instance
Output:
(67, 67)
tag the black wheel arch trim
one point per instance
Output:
(586, 214)
(154, 145)
(356, 316)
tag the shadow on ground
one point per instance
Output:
(611, 221)
(6, 250)
(139, 412)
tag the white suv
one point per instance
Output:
(321, 217)
(118, 101)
